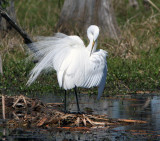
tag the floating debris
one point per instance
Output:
(24, 112)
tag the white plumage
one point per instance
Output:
(75, 64)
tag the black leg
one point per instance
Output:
(78, 109)
(65, 103)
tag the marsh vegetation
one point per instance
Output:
(133, 60)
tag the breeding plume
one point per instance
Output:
(75, 64)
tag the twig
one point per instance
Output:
(131, 121)
(77, 121)
(4, 135)
(84, 121)
(20, 97)
(150, 2)
(16, 117)
(146, 104)
(3, 107)
(25, 102)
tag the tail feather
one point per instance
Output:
(42, 65)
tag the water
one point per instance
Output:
(138, 107)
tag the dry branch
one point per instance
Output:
(5, 15)
(151, 3)
(33, 113)
(24, 35)
(131, 121)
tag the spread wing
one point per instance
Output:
(96, 71)
(72, 61)
(52, 53)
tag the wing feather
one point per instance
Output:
(72, 61)
(102, 82)
(96, 71)
(53, 53)
(44, 38)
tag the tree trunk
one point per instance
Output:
(11, 11)
(77, 15)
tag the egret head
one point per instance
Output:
(93, 33)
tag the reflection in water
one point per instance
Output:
(130, 107)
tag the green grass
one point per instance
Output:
(123, 76)
(38, 16)
(133, 61)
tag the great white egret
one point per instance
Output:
(75, 64)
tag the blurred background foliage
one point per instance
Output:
(133, 61)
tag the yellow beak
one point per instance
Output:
(92, 46)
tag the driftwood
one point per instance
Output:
(30, 113)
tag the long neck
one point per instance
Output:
(89, 47)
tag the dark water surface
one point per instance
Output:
(138, 107)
